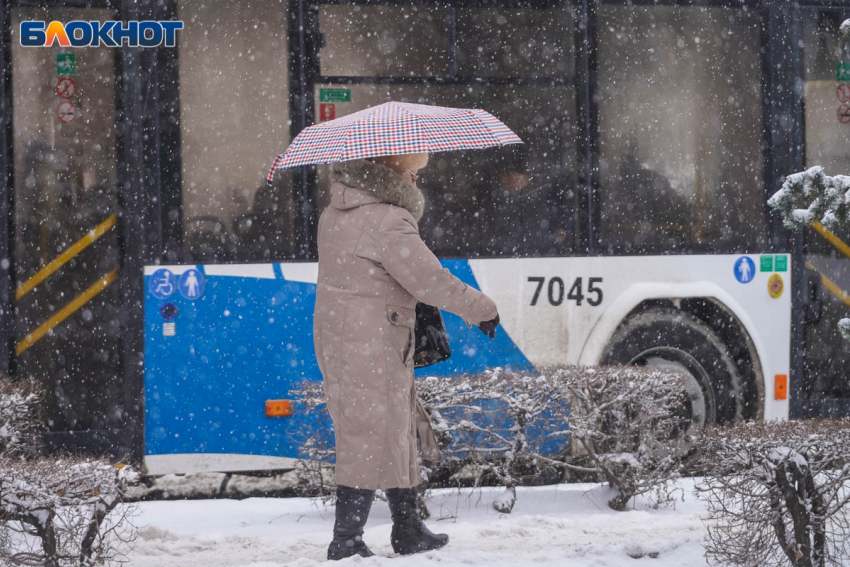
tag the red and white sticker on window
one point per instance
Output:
(327, 112)
(66, 112)
(66, 87)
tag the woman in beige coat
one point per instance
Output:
(373, 267)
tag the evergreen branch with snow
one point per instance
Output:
(812, 196)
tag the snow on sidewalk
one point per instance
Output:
(563, 525)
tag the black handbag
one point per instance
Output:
(432, 340)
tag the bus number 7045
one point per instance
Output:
(555, 291)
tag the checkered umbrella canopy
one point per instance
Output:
(395, 128)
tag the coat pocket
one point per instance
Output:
(428, 445)
(403, 321)
(335, 363)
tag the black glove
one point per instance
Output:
(489, 327)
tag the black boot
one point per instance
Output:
(352, 511)
(409, 534)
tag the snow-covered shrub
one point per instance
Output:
(19, 421)
(55, 511)
(315, 440)
(811, 196)
(627, 423)
(497, 425)
(58, 512)
(507, 427)
(482, 423)
(777, 493)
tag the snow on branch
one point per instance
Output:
(509, 427)
(19, 423)
(811, 196)
(777, 493)
(56, 511)
(628, 423)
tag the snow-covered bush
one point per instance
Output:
(508, 427)
(19, 423)
(55, 511)
(497, 426)
(627, 423)
(811, 196)
(315, 440)
(777, 493)
(61, 512)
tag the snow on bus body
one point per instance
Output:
(247, 338)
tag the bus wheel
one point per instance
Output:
(669, 338)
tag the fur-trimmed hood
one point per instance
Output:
(377, 181)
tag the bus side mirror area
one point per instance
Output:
(813, 302)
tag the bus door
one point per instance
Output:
(66, 240)
(516, 63)
(826, 127)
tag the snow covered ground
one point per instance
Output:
(565, 525)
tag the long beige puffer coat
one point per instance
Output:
(373, 266)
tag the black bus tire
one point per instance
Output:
(667, 334)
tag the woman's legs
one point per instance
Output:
(352, 511)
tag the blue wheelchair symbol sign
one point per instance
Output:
(192, 284)
(745, 269)
(162, 284)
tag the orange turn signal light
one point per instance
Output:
(278, 408)
(780, 391)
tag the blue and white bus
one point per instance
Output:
(163, 293)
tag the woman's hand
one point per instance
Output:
(489, 327)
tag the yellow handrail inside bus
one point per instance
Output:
(832, 238)
(65, 256)
(839, 293)
(66, 311)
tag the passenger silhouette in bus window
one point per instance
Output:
(451, 225)
(265, 233)
(650, 207)
(525, 214)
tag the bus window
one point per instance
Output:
(680, 129)
(383, 41)
(65, 164)
(514, 43)
(827, 143)
(234, 112)
(512, 201)
(474, 204)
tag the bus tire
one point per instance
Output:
(668, 337)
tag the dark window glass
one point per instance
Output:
(680, 129)
(234, 113)
(825, 56)
(383, 40)
(65, 175)
(512, 42)
(513, 201)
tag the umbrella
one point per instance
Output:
(395, 128)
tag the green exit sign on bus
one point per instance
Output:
(335, 95)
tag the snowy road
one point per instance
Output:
(565, 525)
